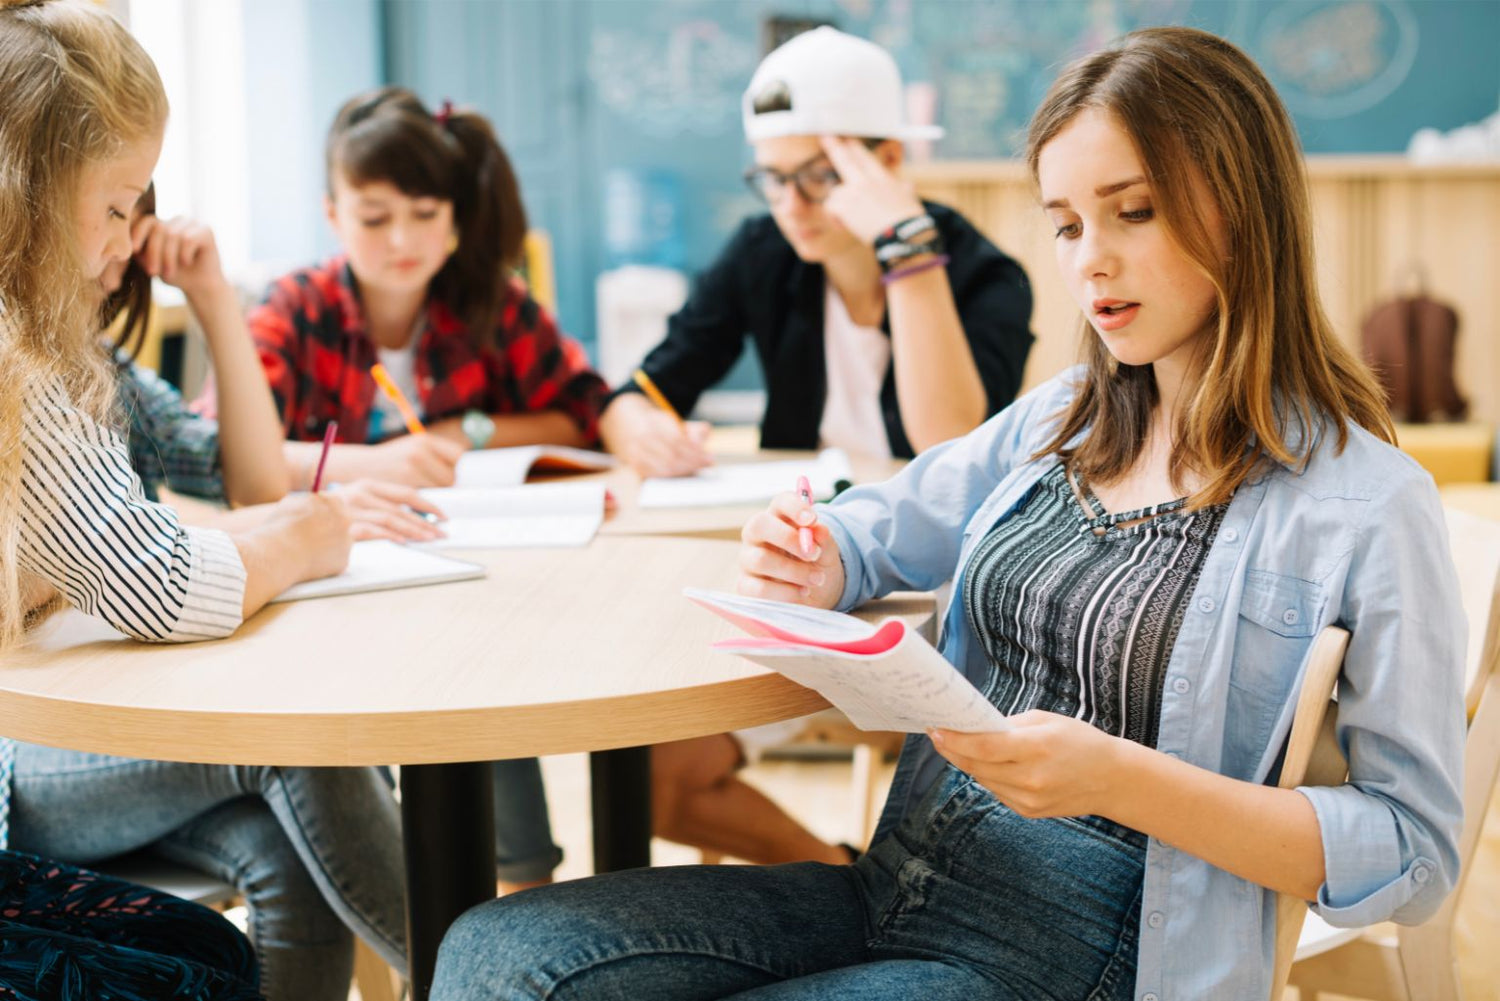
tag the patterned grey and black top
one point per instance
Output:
(1078, 609)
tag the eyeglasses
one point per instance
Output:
(814, 181)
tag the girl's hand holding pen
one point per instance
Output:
(416, 460)
(382, 510)
(774, 563)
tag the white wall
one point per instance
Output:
(253, 87)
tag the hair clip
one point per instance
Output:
(444, 113)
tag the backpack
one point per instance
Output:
(1410, 343)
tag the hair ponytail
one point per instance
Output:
(491, 225)
(389, 135)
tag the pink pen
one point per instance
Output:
(805, 534)
(328, 435)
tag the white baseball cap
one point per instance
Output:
(824, 82)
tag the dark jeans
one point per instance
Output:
(964, 901)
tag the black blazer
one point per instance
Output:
(759, 287)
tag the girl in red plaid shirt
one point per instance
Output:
(429, 214)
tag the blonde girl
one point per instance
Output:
(316, 851)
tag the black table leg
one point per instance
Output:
(620, 782)
(448, 826)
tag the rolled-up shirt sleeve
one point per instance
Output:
(88, 529)
(1390, 834)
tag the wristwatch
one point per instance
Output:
(478, 427)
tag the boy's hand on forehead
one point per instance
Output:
(869, 198)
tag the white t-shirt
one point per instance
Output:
(857, 359)
(401, 365)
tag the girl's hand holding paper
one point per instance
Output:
(1043, 764)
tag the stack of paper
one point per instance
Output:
(748, 482)
(536, 516)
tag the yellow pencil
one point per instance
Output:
(389, 387)
(655, 395)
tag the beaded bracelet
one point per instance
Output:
(937, 261)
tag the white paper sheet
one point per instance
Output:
(906, 690)
(379, 565)
(542, 515)
(509, 467)
(747, 482)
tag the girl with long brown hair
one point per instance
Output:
(233, 459)
(1143, 550)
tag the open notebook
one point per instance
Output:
(747, 482)
(536, 516)
(509, 467)
(881, 676)
(379, 565)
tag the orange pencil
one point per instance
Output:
(389, 387)
(655, 395)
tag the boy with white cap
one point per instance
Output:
(884, 325)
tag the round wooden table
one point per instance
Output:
(555, 651)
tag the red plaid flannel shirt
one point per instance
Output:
(310, 332)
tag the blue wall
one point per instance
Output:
(627, 110)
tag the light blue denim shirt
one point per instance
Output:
(1355, 539)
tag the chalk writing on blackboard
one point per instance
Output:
(685, 80)
(1338, 58)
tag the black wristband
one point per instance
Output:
(907, 239)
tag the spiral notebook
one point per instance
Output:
(883, 676)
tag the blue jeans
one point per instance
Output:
(965, 900)
(315, 851)
(524, 849)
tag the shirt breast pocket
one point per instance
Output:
(1287, 606)
(1279, 616)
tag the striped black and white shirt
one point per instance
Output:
(1078, 610)
(89, 531)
